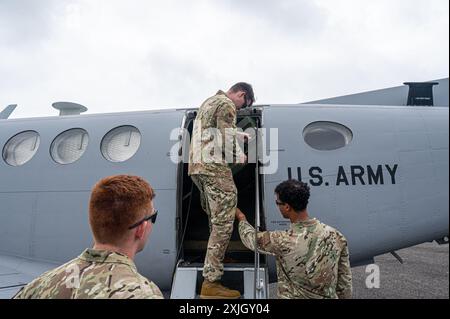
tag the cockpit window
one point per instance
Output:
(121, 143)
(21, 148)
(69, 146)
(327, 136)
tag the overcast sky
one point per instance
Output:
(117, 55)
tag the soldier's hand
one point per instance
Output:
(240, 215)
(242, 136)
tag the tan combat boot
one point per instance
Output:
(215, 290)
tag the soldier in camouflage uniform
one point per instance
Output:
(213, 147)
(312, 258)
(121, 216)
(94, 274)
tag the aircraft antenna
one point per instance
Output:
(69, 108)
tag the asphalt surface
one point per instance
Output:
(423, 275)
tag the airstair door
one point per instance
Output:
(188, 280)
(244, 270)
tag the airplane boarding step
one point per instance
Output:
(188, 280)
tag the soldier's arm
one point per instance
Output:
(344, 283)
(19, 294)
(135, 288)
(226, 123)
(150, 291)
(30, 290)
(267, 241)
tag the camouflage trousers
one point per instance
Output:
(218, 196)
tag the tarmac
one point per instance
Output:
(424, 274)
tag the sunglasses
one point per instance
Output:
(152, 217)
(279, 203)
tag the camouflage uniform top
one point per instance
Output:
(93, 274)
(312, 259)
(217, 112)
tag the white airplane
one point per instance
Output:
(377, 163)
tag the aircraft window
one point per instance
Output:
(327, 136)
(21, 148)
(69, 146)
(121, 143)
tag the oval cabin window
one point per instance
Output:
(121, 143)
(69, 146)
(327, 136)
(21, 148)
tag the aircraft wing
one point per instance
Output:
(7, 111)
(16, 272)
(390, 96)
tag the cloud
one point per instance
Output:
(294, 18)
(118, 56)
(24, 23)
